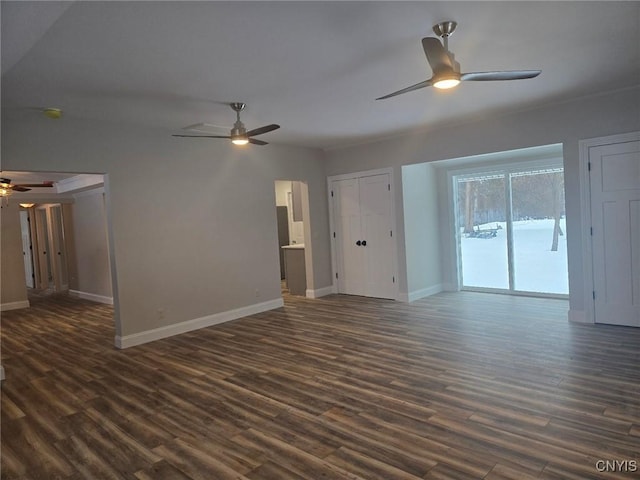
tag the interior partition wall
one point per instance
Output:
(509, 223)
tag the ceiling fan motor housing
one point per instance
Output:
(238, 130)
(444, 29)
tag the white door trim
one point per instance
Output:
(585, 208)
(334, 258)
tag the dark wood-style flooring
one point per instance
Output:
(456, 386)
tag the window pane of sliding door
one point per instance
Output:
(539, 240)
(483, 235)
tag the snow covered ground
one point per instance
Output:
(536, 267)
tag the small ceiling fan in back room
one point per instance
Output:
(7, 188)
(239, 134)
(446, 71)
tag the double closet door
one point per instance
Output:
(363, 242)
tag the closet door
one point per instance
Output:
(615, 217)
(348, 234)
(363, 241)
(377, 232)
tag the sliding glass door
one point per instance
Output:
(511, 228)
(482, 220)
(539, 244)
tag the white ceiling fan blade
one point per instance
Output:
(202, 136)
(417, 86)
(437, 55)
(502, 75)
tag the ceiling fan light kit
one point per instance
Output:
(240, 140)
(446, 80)
(446, 71)
(239, 134)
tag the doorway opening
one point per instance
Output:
(64, 232)
(292, 213)
(44, 245)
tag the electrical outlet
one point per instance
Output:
(160, 312)
(257, 293)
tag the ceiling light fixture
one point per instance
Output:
(240, 140)
(238, 132)
(27, 205)
(447, 77)
(447, 80)
(5, 188)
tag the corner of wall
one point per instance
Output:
(319, 292)
(92, 296)
(4, 307)
(424, 292)
(578, 316)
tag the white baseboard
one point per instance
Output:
(14, 305)
(418, 294)
(450, 287)
(578, 316)
(91, 296)
(320, 292)
(195, 324)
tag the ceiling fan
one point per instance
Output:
(446, 71)
(7, 188)
(239, 134)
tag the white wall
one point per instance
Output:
(422, 230)
(13, 285)
(91, 275)
(193, 222)
(562, 122)
(283, 188)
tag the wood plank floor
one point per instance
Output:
(456, 386)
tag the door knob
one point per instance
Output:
(364, 243)
(358, 243)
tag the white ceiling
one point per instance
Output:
(313, 67)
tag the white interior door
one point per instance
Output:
(363, 243)
(26, 248)
(52, 271)
(57, 248)
(615, 216)
(350, 255)
(41, 242)
(377, 232)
